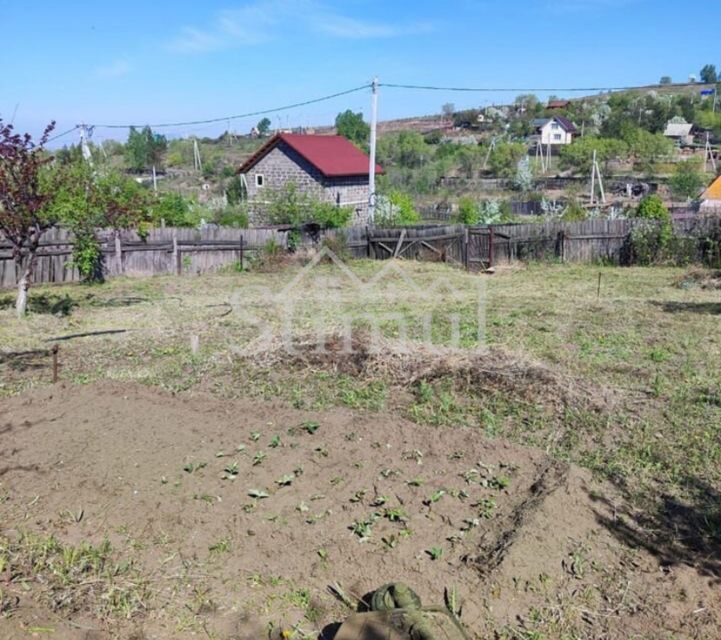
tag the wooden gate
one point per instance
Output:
(434, 244)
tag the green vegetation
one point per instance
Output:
(352, 126)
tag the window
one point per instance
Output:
(557, 136)
(554, 125)
(259, 180)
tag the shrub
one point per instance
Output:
(574, 212)
(233, 216)
(467, 211)
(173, 208)
(330, 215)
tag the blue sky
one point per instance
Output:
(148, 62)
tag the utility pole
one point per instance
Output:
(708, 155)
(196, 156)
(85, 133)
(596, 173)
(372, 161)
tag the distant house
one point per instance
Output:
(678, 129)
(555, 130)
(329, 168)
(558, 104)
(711, 198)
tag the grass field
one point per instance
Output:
(614, 370)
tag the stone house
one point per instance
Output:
(329, 168)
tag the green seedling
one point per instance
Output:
(358, 496)
(274, 442)
(310, 427)
(286, 480)
(205, 498)
(322, 554)
(435, 552)
(379, 501)
(387, 473)
(499, 482)
(470, 476)
(302, 507)
(456, 455)
(231, 471)
(434, 497)
(220, 454)
(258, 494)
(395, 515)
(415, 482)
(240, 448)
(461, 494)
(222, 546)
(255, 436)
(486, 506)
(258, 458)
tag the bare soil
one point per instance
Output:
(167, 479)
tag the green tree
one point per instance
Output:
(23, 199)
(352, 126)
(708, 74)
(396, 209)
(505, 158)
(263, 127)
(687, 179)
(652, 208)
(144, 149)
(665, 80)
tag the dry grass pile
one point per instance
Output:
(701, 278)
(481, 371)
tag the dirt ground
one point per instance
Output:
(230, 519)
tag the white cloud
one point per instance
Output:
(115, 69)
(263, 20)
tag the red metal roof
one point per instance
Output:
(333, 156)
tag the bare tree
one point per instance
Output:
(22, 201)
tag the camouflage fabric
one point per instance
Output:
(394, 595)
(427, 623)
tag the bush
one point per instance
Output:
(396, 210)
(233, 216)
(574, 212)
(330, 215)
(173, 209)
(467, 211)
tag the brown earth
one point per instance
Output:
(522, 537)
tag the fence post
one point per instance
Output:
(562, 245)
(490, 247)
(118, 254)
(241, 251)
(465, 247)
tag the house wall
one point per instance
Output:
(710, 206)
(553, 133)
(283, 165)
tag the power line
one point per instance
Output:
(236, 117)
(64, 133)
(504, 89)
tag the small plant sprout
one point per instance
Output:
(258, 494)
(191, 467)
(240, 448)
(255, 436)
(222, 546)
(286, 480)
(435, 497)
(435, 552)
(396, 514)
(231, 471)
(274, 442)
(302, 507)
(258, 458)
(415, 482)
(452, 601)
(310, 427)
(390, 541)
(416, 455)
(379, 501)
(358, 496)
(499, 482)
(322, 554)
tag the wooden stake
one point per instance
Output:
(598, 290)
(55, 350)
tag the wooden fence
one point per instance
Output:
(190, 251)
(163, 251)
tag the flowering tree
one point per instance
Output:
(23, 218)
